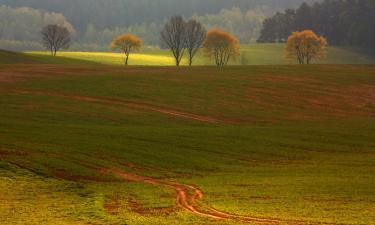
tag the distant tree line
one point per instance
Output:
(24, 24)
(342, 22)
(20, 27)
(93, 31)
(246, 25)
(125, 13)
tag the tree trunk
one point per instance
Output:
(178, 60)
(126, 60)
(190, 57)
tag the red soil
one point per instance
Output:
(188, 197)
(127, 103)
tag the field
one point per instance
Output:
(253, 54)
(96, 144)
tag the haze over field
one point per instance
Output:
(96, 22)
(188, 112)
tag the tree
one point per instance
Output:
(127, 43)
(173, 35)
(221, 46)
(195, 36)
(303, 18)
(343, 22)
(305, 46)
(55, 37)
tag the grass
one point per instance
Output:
(253, 54)
(7, 57)
(115, 58)
(290, 142)
(273, 54)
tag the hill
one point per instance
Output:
(90, 144)
(8, 57)
(253, 54)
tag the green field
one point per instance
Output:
(253, 54)
(95, 144)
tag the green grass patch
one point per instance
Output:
(252, 54)
(290, 142)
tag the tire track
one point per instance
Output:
(127, 103)
(188, 197)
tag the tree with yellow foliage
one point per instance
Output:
(305, 46)
(127, 43)
(221, 46)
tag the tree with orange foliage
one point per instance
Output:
(127, 43)
(221, 46)
(305, 46)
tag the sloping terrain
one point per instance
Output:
(8, 57)
(90, 144)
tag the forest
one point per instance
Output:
(96, 22)
(342, 22)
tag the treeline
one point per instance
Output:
(125, 13)
(24, 24)
(20, 27)
(342, 22)
(96, 22)
(245, 25)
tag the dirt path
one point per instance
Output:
(188, 197)
(126, 103)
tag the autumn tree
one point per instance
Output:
(55, 37)
(305, 46)
(195, 36)
(127, 43)
(173, 36)
(342, 22)
(221, 46)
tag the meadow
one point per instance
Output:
(252, 54)
(82, 143)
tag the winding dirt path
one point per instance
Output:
(188, 197)
(127, 103)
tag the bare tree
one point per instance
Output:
(195, 36)
(173, 36)
(55, 37)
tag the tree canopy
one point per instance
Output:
(55, 37)
(221, 46)
(305, 46)
(127, 43)
(195, 36)
(173, 36)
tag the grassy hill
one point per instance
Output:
(254, 54)
(89, 144)
(8, 57)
